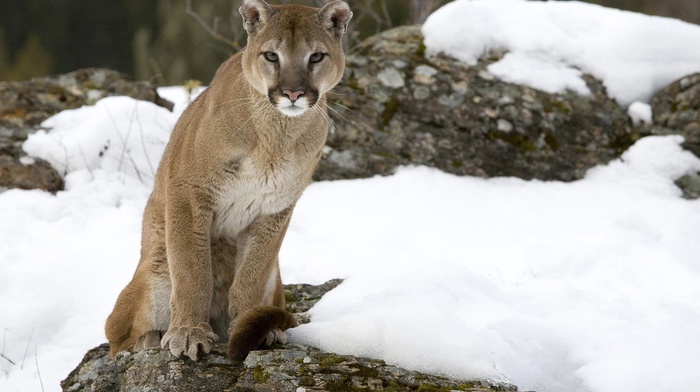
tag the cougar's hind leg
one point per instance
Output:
(141, 314)
(120, 323)
(155, 317)
(128, 320)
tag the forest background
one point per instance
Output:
(171, 41)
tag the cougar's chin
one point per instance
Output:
(293, 109)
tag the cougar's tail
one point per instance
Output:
(252, 328)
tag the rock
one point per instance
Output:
(28, 103)
(676, 109)
(690, 185)
(397, 107)
(24, 105)
(283, 368)
(302, 297)
(35, 174)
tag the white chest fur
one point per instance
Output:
(255, 191)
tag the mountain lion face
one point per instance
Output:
(294, 56)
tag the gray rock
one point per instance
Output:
(443, 113)
(14, 173)
(676, 111)
(690, 185)
(282, 368)
(390, 77)
(677, 107)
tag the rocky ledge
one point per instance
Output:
(290, 367)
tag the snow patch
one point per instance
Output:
(551, 43)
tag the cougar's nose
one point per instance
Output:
(293, 94)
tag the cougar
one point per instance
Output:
(237, 162)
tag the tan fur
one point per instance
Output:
(237, 162)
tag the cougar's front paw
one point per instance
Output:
(189, 340)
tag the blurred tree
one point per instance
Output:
(32, 60)
(179, 48)
(74, 33)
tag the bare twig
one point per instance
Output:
(420, 9)
(213, 30)
(36, 361)
(386, 18)
(27, 349)
(85, 161)
(145, 150)
(7, 359)
(157, 70)
(65, 154)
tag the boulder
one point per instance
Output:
(676, 110)
(396, 106)
(24, 105)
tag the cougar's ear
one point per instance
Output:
(255, 13)
(335, 17)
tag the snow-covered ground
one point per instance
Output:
(584, 286)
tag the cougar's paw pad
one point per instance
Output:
(189, 340)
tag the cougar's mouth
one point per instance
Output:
(293, 109)
(293, 103)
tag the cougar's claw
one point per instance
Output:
(188, 340)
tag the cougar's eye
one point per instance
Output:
(271, 57)
(316, 57)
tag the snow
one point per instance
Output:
(550, 44)
(583, 286)
(640, 113)
(556, 287)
